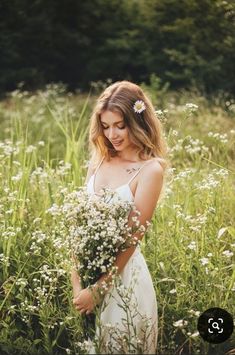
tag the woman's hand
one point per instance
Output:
(84, 302)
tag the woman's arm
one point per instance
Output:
(75, 283)
(75, 279)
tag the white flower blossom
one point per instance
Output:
(139, 106)
(227, 253)
(180, 323)
(204, 261)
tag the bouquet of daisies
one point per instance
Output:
(96, 230)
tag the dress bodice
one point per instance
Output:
(123, 191)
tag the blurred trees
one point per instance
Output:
(186, 43)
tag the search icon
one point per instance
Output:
(215, 325)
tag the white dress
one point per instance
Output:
(129, 319)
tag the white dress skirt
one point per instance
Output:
(128, 319)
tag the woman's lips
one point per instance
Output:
(117, 143)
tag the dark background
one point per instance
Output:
(188, 43)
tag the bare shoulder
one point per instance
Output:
(148, 190)
(151, 180)
(152, 170)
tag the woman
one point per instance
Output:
(128, 156)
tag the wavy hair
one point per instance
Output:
(145, 129)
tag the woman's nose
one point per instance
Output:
(112, 133)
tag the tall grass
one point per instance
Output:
(189, 249)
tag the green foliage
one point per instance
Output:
(186, 43)
(189, 250)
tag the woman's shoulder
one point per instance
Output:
(153, 169)
(156, 164)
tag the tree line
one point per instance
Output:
(185, 43)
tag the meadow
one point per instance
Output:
(189, 248)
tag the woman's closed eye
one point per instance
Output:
(118, 127)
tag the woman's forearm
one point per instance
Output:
(76, 283)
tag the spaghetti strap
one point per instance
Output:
(138, 171)
(98, 166)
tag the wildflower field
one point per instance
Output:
(189, 248)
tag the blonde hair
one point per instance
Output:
(145, 129)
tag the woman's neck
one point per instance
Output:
(128, 156)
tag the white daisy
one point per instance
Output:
(139, 106)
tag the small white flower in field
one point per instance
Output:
(221, 232)
(195, 228)
(180, 323)
(221, 172)
(190, 107)
(173, 291)
(4, 259)
(53, 210)
(103, 268)
(192, 245)
(41, 143)
(159, 112)
(220, 137)
(227, 253)
(64, 191)
(209, 254)
(13, 306)
(36, 220)
(211, 134)
(175, 206)
(30, 149)
(21, 281)
(175, 133)
(10, 211)
(17, 177)
(204, 261)
(68, 351)
(194, 313)
(195, 334)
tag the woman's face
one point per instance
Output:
(115, 130)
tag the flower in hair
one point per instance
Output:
(139, 106)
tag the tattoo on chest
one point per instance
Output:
(132, 170)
